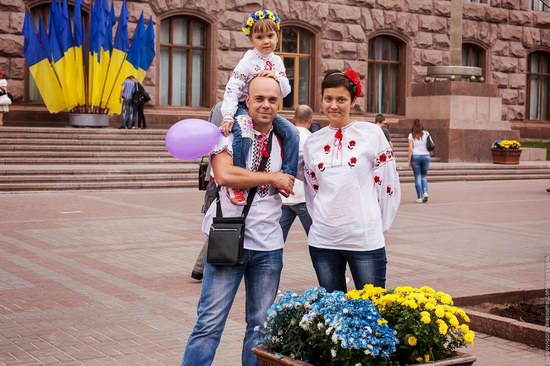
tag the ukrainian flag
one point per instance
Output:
(41, 70)
(78, 45)
(95, 82)
(113, 83)
(68, 61)
(147, 52)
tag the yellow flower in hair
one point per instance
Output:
(250, 22)
(246, 30)
(260, 14)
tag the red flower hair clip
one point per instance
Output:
(355, 80)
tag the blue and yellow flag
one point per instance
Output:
(41, 70)
(78, 46)
(147, 52)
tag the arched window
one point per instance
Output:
(538, 73)
(296, 45)
(38, 12)
(183, 47)
(473, 55)
(386, 76)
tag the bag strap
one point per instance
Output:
(253, 190)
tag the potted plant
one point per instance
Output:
(506, 152)
(372, 326)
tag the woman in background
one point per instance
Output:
(3, 91)
(419, 159)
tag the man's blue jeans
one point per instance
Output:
(289, 213)
(127, 113)
(262, 272)
(420, 164)
(366, 267)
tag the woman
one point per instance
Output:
(352, 190)
(3, 91)
(419, 159)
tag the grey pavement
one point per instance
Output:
(102, 277)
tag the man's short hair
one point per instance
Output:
(379, 118)
(303, 113)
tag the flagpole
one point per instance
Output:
(116, 78)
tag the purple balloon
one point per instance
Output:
(191, 138)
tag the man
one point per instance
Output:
(263, 242)
(380, 121)
(295, 205)
(128, 88)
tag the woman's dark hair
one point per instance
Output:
(335, 79)
(417, 129)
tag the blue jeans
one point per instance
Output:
(127, 113)
(284, 129)
(262, 272)
(289, 213)
(366, 267)
(420, 164)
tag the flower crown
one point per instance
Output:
(259, 15)
(355, 80)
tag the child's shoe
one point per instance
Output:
(236, 196)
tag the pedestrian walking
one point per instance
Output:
(419, 159)
(380, 121)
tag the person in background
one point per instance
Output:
(380, 121)
(419, 160)
(314, 127)
(3, 91)
(142, 98)
(295, 205)
(128, 88)
(352, 190)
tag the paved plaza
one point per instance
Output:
(102, 277)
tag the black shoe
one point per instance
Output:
(196, 275)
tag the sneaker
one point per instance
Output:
(419, 200)
(425, 197)
(236, 196)
(196, 275)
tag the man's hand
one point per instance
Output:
(227, 125)
(283, 182)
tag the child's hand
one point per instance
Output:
(226, 125)
(267, 73)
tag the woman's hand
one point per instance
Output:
(226, 126)
(267, 73)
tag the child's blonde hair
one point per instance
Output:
(263, 26)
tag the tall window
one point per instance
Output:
(537, 80)
(182, 59)
(295, 48)
(539, 5)
(473, 55)
(385, 75)
(43, 12)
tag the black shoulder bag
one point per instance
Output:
(430, 146)
(226, 237)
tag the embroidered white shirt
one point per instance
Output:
(262, 229)
(352, 187)
(250, 65)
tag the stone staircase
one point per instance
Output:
(41, 158)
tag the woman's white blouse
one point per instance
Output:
(419, 146)
(352, 187)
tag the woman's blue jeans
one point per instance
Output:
(420, 164)
(366, 267)
(261, 272)
(289, 213)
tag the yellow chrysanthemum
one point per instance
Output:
(446, 299)
(427, 289)
(443, 327)
(425, 319)
(429, 306)
(464, 328)
(439, 311)
(382, 321)
(426, 358)
(469, 337)
(411, 341)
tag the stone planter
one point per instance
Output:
(506, 156)
(88, 120)
(266, 358)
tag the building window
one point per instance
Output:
(541, 6)
(295, 47)
(473, 55)
(537, 80)
(385, 81)
(183, 45)
(477, 1)
(43, 12)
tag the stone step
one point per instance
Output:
(75, 148)
(127, 135)
(78, 142)
(90, 160)
(11, 187)
(73, 178)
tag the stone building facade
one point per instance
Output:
(389, 42)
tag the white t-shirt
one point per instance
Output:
(299, 194)
(419, 146)
(250, 65)
(262, 229)
(352, 187)
(3, 83)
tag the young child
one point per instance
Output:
(262, 27)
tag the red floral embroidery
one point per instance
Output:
(338, 135)
(383, 157)
(389, 190)
(321, 166)
(351, 144)
(327, 149)
(377, 180)
(316, 187)
(312, 175)
(352, 161)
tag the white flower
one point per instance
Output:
(333, 352)
(345, 311)
(256, 328)
(280, 332)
